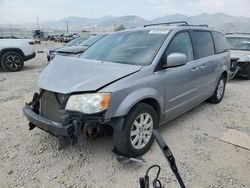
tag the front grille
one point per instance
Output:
(50, 106)
(233, 64)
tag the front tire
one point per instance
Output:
(219, 91)
(137, 135)
(12, 61)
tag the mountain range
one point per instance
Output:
(221, 21)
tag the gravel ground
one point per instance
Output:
(32, 159)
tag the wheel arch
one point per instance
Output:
(152, 102)
(18, 50)
(145, 95)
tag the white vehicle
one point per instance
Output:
(13, 53)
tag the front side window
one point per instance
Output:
(127, 47)
(239, 43)
(181, 43)
(204, 43)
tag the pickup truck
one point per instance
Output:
(13, 53)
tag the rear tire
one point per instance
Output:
(12, 61)
(137, 135)
(219, 91)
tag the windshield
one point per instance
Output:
(92, 40)
(239, 43)
(76, 42)
(127, 47)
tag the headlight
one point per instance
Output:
(245, 59)
(89, 103)
(51, 52)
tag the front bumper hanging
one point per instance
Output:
(72, 127)
(70, 130)
(47, 125)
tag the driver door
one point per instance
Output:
(181, 83)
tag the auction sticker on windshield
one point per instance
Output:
(160, 32)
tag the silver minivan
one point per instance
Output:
(129, 83)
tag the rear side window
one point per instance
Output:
(181, 43)
(220, 42)
(204, 43)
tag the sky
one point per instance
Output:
(26, 11)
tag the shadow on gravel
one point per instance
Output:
(24, 69)
(96, 146)
(102, 145)
(183, 117)
(237, 79)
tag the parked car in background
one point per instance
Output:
(239, 44)
(77, 49)
(75, 35)
(52, 36)
(14, 52)
(75, 42)
(58, 38)
(132, 81)
(68, 37)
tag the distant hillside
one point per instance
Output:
(79, 21)
(104, 22)
(221, 21)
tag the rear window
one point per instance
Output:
(204, 43)
(220, 42)
(239, 43)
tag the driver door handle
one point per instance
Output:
(195, 69)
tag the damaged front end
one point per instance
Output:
(240, 67)
(47, 112)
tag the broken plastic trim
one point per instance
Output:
(71, 129)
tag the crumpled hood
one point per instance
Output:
(55, 48)
(66, 74)
(72, 49)
(237, 54)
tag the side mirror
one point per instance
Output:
(175, 60)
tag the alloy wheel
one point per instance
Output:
(220, 89)
(13, 62)
(141, 130)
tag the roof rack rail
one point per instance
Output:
(202, 25)
(181, 23)
(230, 33)
(167, 23)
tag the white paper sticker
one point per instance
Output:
(159, 32)
(246, 42)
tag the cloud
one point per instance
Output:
(21, 11)
(194, 7)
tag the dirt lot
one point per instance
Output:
(31, 158)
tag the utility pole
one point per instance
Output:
(11, 33)
(67, 24)
(114, 24)
(37, 21)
